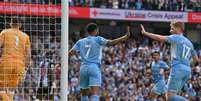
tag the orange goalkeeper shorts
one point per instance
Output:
(11, 73)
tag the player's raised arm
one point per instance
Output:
(123, 38)
(153, 36)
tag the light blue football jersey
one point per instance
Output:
(90, 49)
(182, 49)
(155, 69)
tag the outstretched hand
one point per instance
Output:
(142, 29)
(153, 36)
(128, 31)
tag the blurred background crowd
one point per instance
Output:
(126, 66)
(166, 5)
(58, 2)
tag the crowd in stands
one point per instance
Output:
(35, 1)
(127, 74)
(166, 5)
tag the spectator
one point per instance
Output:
(122, 4)
(91, 3)
(109, 4)
(161, 5)
(148, 4)
(131, 4)
(138, 5)
(25, 1)
(115, 4)
(103, 4)
(16, 1)
(71, 2)
(196, 5)
(155, 4)
(167, 5)
(181, 5)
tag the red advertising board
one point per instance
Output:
(41, 10)
(194, 17)
(30, 9)
(78, 12)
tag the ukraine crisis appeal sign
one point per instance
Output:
(117, 14)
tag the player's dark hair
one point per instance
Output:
(155, 52)
(91, 27)
(16, 20)
(178, 24)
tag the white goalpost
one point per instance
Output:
(64, 51)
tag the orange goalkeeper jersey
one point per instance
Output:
(12, 64)
(15, 43)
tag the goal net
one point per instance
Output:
(42, 22)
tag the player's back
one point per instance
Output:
(182, 50)
(12, 66)
(14, 45)
(90, 49)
